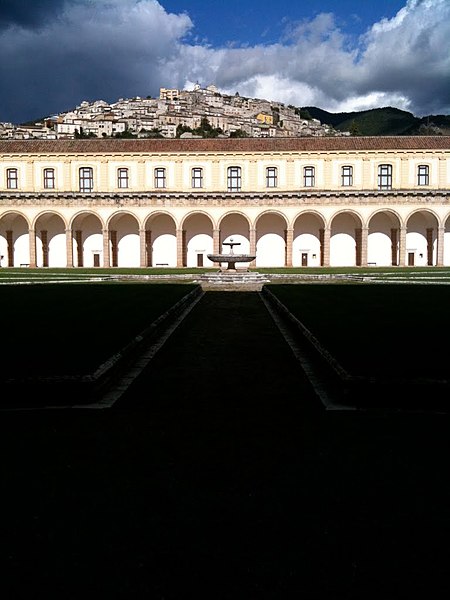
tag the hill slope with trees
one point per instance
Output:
(383, 121)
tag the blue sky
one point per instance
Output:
(228, 22)
(339, 55)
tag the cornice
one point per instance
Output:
(148, 198)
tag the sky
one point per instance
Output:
(340, 56)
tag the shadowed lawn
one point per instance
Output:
(68, 329)
(371, 329)
(218, 475)
(377, 329)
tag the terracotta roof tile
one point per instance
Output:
(298, 144)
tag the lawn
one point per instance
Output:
(376, 329)
(68, 329)
(393, 330)
(389, 332)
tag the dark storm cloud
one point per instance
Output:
(26, 13)
(92, 50)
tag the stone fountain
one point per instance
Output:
(231, 258)
(229, 278)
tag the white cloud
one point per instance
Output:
(402, 62)
(288, 91)
(371, 100)
(410, 56)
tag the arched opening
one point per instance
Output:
(345, 241)
(160, 241)
(199, 240)
(270, 241)
(306, 245)
(383, 241)
(124, 243)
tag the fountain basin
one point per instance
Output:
(231, 259)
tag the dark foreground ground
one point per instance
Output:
(224, 479)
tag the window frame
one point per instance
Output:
(385, 172)
(309, 176)
(423, 175)
(346, 176)
(234, 179)
(197, 177)
(48, 176)
(86, 179)
(271, 177)
(123, 178)
(159, 178)
(12, 178)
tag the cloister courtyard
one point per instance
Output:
(218, 470)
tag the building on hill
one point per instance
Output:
(100, 119)
(318, 201)
(169, 94)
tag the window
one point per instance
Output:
(11, 179)
(197, 177)
(309, 176)
(86, 179)
(49, 179)
(423, 175)
(234, 179)
(271, 177)
(347, 176)
(122, 178)
(160, 178)
(385, 177)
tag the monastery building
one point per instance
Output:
(305, 201)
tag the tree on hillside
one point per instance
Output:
(429, 129)
(153, 133)
(304, 114)
(182, 129)
(81, 135)
(354, 128)
(238, 133)
(125, 134)
(206, 130)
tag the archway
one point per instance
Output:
(87, 239)
(421, 239)
(199, 240)
(383, 240)
(345, 242)
(124, 243)
(235, 227)
(14, 240)
(161, 241)
(306, 244)
(270, 241)
(50, 232)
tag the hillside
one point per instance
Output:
(178, 112)
(383, 121)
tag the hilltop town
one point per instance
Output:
(201, 112)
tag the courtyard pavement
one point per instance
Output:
(218, 473)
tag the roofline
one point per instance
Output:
(235, 145)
